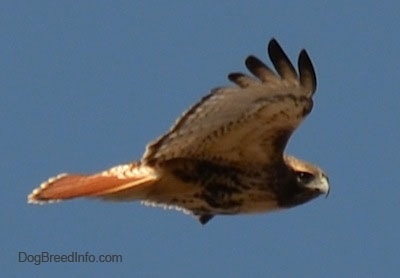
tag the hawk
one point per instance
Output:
(224, 156)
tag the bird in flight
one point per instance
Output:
(224, 156)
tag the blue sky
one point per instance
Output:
(85, 86)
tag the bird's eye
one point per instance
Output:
(304, 177)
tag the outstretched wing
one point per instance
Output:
(247, 124)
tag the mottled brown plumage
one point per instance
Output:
(225, 155)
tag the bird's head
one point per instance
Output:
(310, 182)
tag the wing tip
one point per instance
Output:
(241, 79)
(281, 61)
(273, 44)
(308, 77)
(285, 70)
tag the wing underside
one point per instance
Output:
(247, 124)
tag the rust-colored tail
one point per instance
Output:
(124, 182)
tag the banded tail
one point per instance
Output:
(123, 182)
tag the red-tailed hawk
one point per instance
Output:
(225, 155)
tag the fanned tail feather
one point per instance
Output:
(130, 181)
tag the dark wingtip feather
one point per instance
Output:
(283, 66)
(235, 76)
(259, 69)
(254, 64)
(281, 61)
(241, 79)
(307, 73)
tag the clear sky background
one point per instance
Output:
(85, 85)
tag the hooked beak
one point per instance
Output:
(324, 186)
